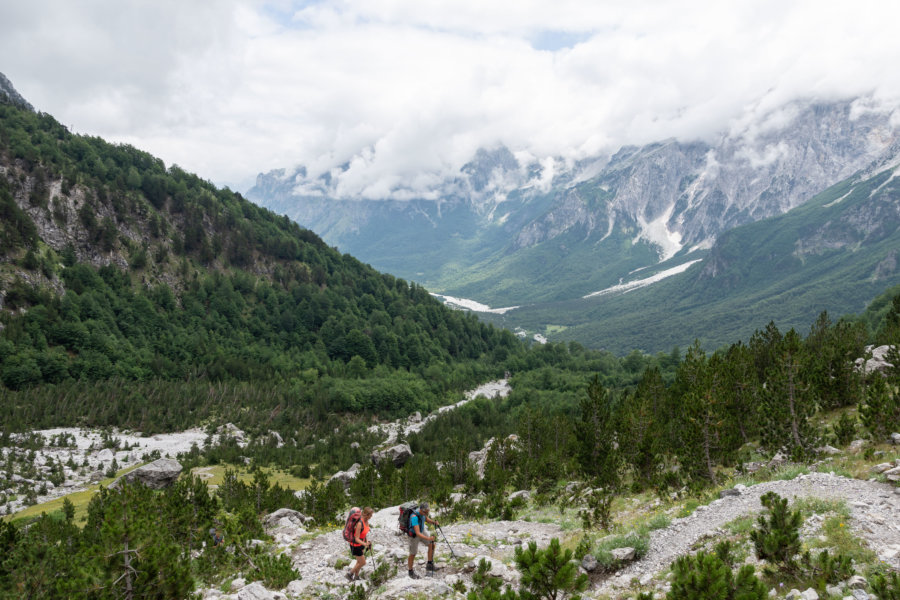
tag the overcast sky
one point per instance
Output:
(407, 90)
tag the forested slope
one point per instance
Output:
(115, 268)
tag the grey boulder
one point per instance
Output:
(157, 475)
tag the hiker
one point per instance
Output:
(217, 537)
(417, 521)
(359, 544)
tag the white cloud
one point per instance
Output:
(405, 91)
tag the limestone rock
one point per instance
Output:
(157, 475)
(893, 474)
(856, 445)
(809, 594)
(278, 518)
(347, 476)
(878, 362)
(255, 591)
(622, 554)
(523, 494)
(277, 437)
(857, 582)
(589, 563)
(777, 460)
(398, 454)
(895, 439)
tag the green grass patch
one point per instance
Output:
(79, 499)
(659, 521)
(215, 474)
(788, 472)
(838, 536)
(742, 525)
(688, 509)
(604, 548)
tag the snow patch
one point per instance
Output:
(633, 285)
(472, 305)
(657, 232)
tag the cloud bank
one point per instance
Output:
(402, 92)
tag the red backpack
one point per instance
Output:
(350, 526)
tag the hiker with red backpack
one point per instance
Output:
(356, 531)
(416, 530)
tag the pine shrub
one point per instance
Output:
(777, 540)
(886, 587)
(706, 576)
(826, 569)
(274, 571)
(549, 574)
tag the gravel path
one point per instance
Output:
(875, 510)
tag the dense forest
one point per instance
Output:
(213, 289)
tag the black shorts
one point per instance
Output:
(357, 550)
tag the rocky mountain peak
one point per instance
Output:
(9, 94)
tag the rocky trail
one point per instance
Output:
(875, 510)
(323, 561)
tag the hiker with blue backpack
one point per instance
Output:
(418, 518)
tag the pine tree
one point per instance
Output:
(595, 431)
(788, 401)
(701, 386)
(742, 400)
(881, 412)
(640, 431)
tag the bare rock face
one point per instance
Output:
(347, 476)
(398, 454)
(157, 475)
(878, 363)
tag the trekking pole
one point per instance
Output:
(372, 556)
(452, 553)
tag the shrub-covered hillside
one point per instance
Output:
(116, 268)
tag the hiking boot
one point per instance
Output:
(349, 576)
(414, 575)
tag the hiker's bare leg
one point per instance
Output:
(409, 561)
(431, 551)
(360, 563)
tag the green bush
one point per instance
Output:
(886, 587)
(706, 577)
(548, 574)
(274, 571)
(605, 560)
(777, 540)
(826, 569)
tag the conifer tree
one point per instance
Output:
(742, 403)
(880, 413)
(699, 382)
(640, 428)
(595, 431)
(788, 401)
